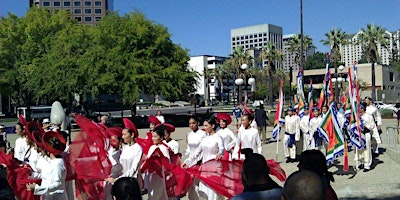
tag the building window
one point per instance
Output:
(77, 3)
(67, 3)
(79, 19)
(97, 11)
(77, 11)
(46, 3)
(56, 4)
(391, 76)
(88, 19)
(233, 39)
(97, 3)
(88, 11)
(88, 3)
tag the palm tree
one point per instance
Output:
(371, 39)
(335, 38)
(270, 55)
(295, 46)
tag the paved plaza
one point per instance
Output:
(383, 182)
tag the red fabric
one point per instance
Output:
(246, 109)
(153, 119)
(145, 143)
(169, 127)
(177, 180)
(22, 120)
(114, 131)
(12, 164)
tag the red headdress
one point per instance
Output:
(114, 131)
(153, 119)
(225, 117)
(169, 127)
(56, 150)
(22, 120)
(31, 127)
(131, 126)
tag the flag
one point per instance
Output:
(310, 93)
(300, 94)
(321, 100)
(278, 114)
(332, 133)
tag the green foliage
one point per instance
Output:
(51, 56)
(316, 61)
(386, 113)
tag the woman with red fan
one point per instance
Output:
(158, 152)
(53, 176)
(211, 147)
(114, 154)
(227, 135)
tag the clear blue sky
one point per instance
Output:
(204, 26)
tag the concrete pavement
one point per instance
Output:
(383, 182)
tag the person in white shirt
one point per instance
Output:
(160, 117)
(53, 176)
(171, 143)
(365, 155)
(376, 115)
(314, 141)
(212, 148)
(193, 140)
(21, 143)
(248, 137)
(304, 128)
(227, 135)
(156, 184)
(292, 134)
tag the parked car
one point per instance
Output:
(381, 106)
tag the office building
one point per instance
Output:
(289, 60)
(84, 11)
(353, 52)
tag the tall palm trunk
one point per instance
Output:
(373, 95)
(271, 82)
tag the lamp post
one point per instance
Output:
(239, 81)
(339, 79)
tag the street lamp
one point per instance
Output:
(339, 79)
(240, 81)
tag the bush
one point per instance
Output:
(386, 113)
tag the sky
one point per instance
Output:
(203, 27)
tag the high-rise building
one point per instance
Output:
(84, 11)
(289, 60)
(256, 37)
(353, 51)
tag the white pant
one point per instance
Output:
(365, 155)
(288, 150)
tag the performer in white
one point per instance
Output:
(21, 143)
(53, 176)
(376, 115)
(314, 141)
(304, 127)
(292, 134)
(227, 135)
(365, 155)
(171, 143)
(160, 117)
(193, 140)
(114, 154)
(248, 137)
(212, 148)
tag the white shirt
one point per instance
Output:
(373, 110)
(53, 180)
(247, 138)
(42, 163)
(31, 158)
(210, 146)
(228, 137)
(369, 122)
(164, 150)
(21, 147)
(173, 145)
(315, 122)
(304, 123)
(193, 140)
(292, 125)
(130, 160)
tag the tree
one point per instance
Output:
(239, 57)
(335, 38)
(270, 56)
(295, 46)
(316, 61)
(372, 39)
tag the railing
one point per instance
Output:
(392, 131)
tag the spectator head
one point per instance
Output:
(315, 161)
(255, 168)
(303, 185)
(2, 128)
(3, 146)
(104, 119)
(159, 113)
(126, 188)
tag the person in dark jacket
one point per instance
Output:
(261, 120)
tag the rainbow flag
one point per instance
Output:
(332, 133)
(279, 110)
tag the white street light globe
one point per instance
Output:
(239, 81)
(341, 67)
(333, 80)
(251, 81)
(243, 66)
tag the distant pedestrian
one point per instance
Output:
(160, 117)
(238, 113)
(261, 120)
